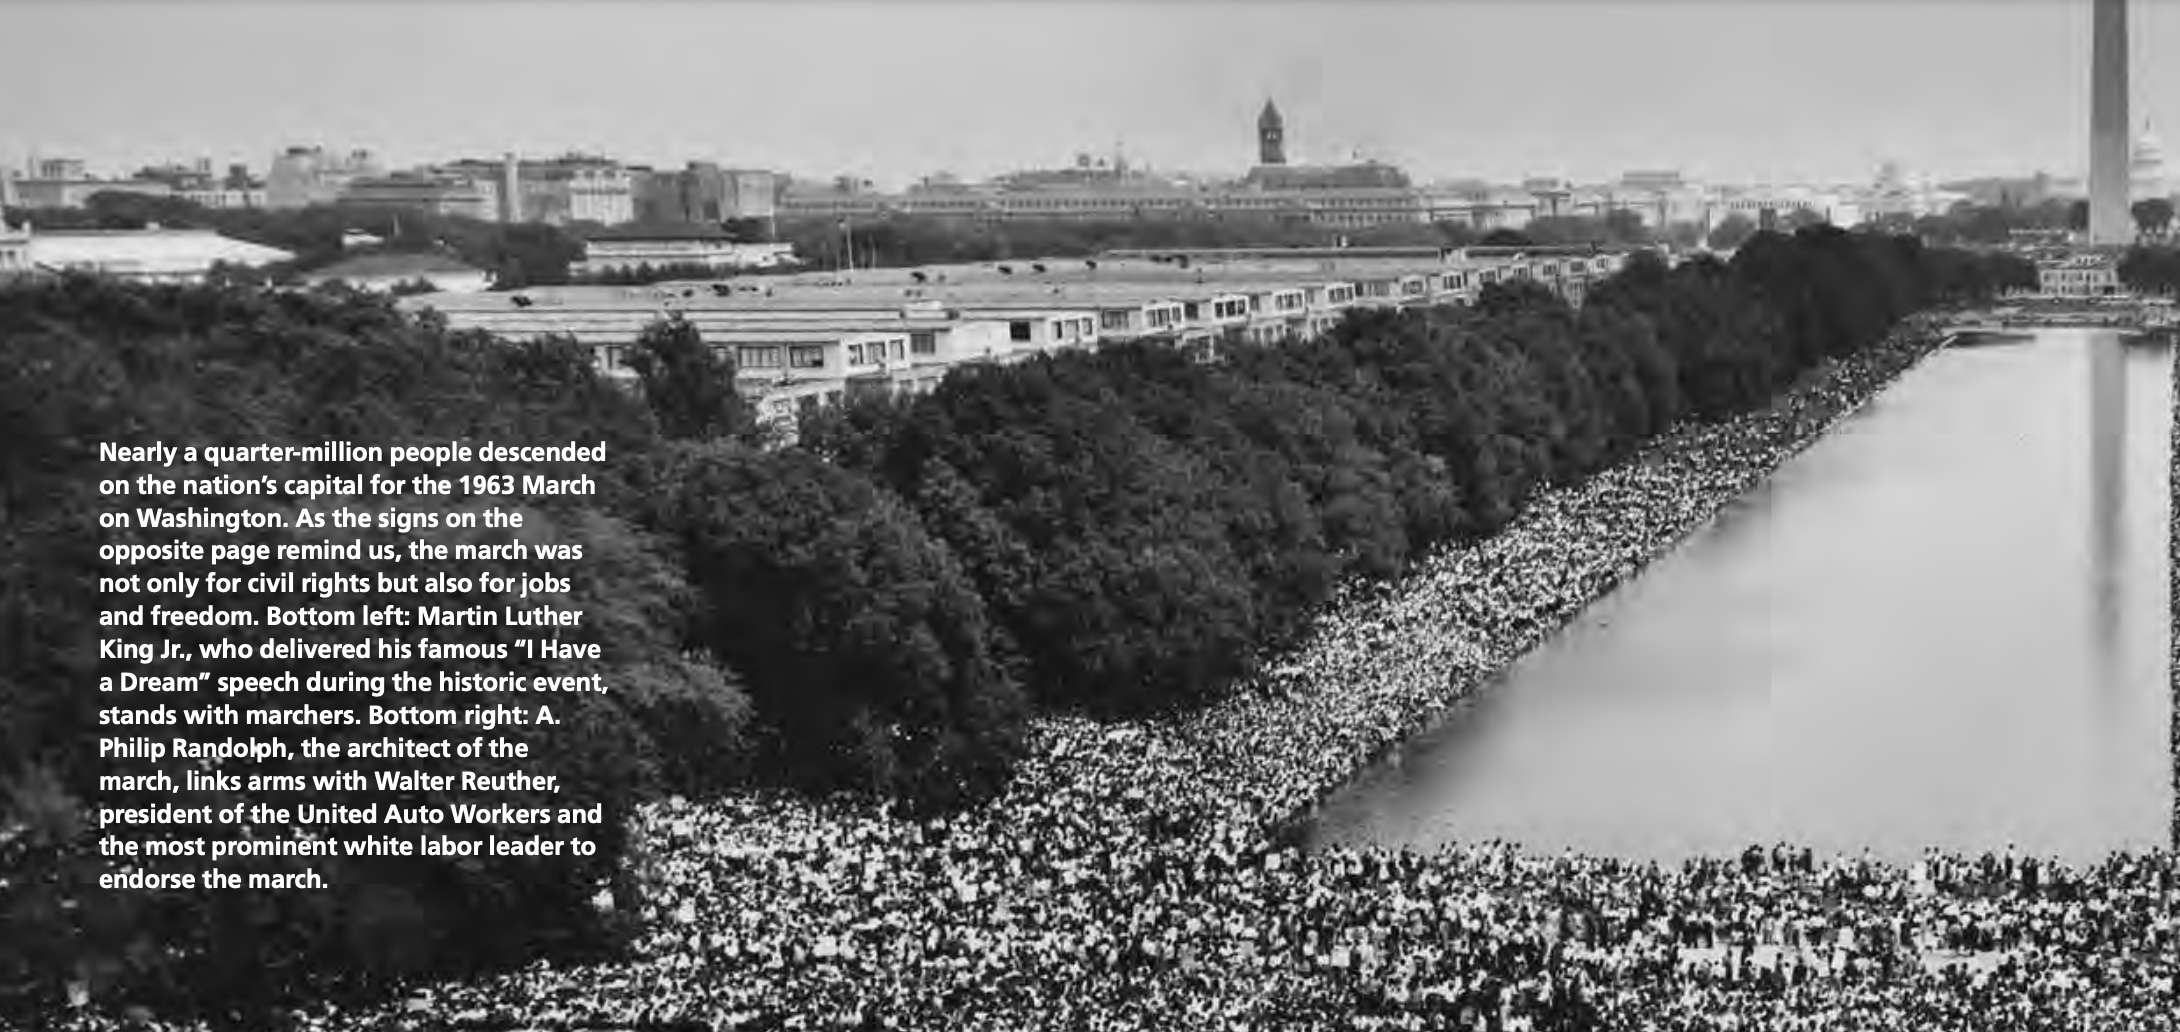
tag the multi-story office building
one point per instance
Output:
(198, 184)
(303, 176)
(556, 191)
(66, 183)
(431, 192)
(58, 168)
(1479, 206)
(704, 192)
(587, 189)
(73, 193)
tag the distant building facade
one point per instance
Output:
(704, 192)
(637, 246)
(1356, 195)
(433, 193)
(302, 176)
(555, 191)
(2080, 276)
(198, 184)
(66, 183)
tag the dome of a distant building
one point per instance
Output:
(2148, 167)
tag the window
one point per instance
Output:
(806, 356)
(900, 349)
(924, 342)
(1112, 320)
(1018, 330)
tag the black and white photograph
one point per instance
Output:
(1089, 515)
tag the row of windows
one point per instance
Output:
(1333, 210)
(925, 342)
(876, 352)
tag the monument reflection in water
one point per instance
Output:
(2107, 478)
(1944, 624)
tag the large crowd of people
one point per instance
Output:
(1134, 875)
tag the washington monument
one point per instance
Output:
(2110, 221)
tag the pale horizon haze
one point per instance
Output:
(1818, 90)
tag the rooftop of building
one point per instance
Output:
(1200, 254)
(2080, 260)
(149, 248)
(1360, 175)
(642, 231)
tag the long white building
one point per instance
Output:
(142, 255)
(808, 340)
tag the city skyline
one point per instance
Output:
(979, 87)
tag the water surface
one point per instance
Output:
(1944, 624)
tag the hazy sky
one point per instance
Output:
(897, 88)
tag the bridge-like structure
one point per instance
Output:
(2138, 317)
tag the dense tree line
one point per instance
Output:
(645, 273)
(1143, 528)
(878, 608)
(2151, 270)
(89, 361)
(1970, 223)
